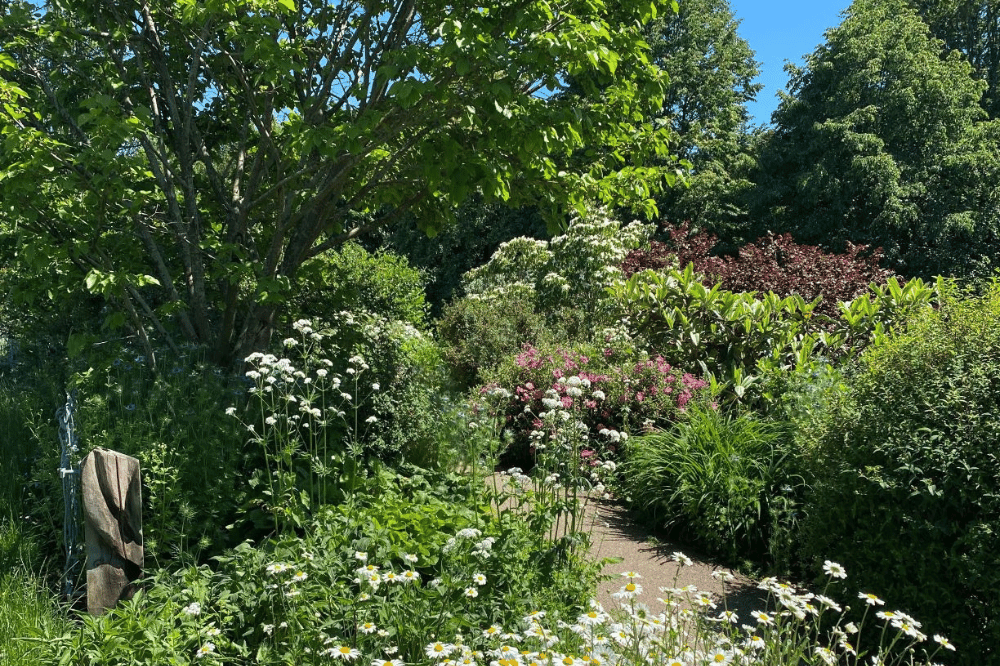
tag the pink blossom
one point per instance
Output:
(683, 399)
(586, 453)
(567, 401)
(590, 404)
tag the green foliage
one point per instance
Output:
(734, 337)
(871, 316)
(535, 292)
(715, 478)
(291, 600)
(478, 230)
(906, 478)
(970, 26)
(350, 278)
(477, 335)
(751, 344)
(882, 142)
(193, 205)
(712, 71)
(27, 618)
(572, 270)
(411, 396)
(191, 460)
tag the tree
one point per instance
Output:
(881, 141)
(972, 27)
(712, 73)
(187, 160)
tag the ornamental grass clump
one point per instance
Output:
(721, 480)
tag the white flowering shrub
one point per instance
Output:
(534, 292)
(572, 270)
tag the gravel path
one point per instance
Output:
(615, 534)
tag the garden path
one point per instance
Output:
(613, 534)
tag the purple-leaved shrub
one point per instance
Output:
(772, 263)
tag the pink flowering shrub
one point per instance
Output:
(625, 394)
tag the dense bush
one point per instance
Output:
(476, 335)
(478, 230)
(771, 264)
(351, 278)
(720, 480)
(571, 271)
(536, 292)
(191, 460)
(907, 490)
(736, 338)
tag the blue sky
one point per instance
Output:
(780, 30)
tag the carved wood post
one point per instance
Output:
(112, 514)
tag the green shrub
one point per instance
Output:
(351, 278)
(907, 487)
(191, 459)
(747, 341)
(718, 479)
(411, 561)
(573, 270)
(735, 337)
(470, 241)
(405, 390)
(478, 335)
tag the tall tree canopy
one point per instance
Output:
(882, 141)
(972, 27)
(188, 159)
(712, 74)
